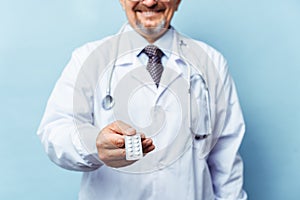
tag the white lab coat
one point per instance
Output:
(74, 117)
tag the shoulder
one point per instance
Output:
(212, 53)
(207, 55)
(203, 56)
(81, 53)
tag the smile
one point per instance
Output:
(149, 13)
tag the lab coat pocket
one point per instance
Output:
(201, 138)
(201, 147)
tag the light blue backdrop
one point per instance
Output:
(260, 39)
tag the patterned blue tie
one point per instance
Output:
(154, 65)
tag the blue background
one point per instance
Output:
(260, 39)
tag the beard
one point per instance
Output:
(152, 31)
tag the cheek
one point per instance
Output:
(130, 15)
(169, 16)
(132, 18)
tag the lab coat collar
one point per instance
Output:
(132, 43)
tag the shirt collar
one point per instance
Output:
(130, 44)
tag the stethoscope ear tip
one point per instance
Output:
(108, 102)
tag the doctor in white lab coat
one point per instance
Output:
(191, 123)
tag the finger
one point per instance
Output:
(122, 128)
(148, 149)
(148, 145)
(110, 155)
(112, 141)
(147, 142)
(123, 163)
(118, 142)
(143, 136)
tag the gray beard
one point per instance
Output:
(152, 30)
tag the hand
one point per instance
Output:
(110, 144)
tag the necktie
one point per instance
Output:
(154, 65)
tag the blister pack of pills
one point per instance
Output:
(133, 147)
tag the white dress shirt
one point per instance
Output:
(74, 116)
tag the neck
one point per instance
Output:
(152, 37)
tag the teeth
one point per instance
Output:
(149, 13)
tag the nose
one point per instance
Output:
(149, 3)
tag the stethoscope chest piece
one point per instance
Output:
(108, 102)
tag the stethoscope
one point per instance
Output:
(108, 101)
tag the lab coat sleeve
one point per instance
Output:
(224, 161)
(59, 134)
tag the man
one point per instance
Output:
(81, 133)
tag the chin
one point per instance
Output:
(152, 31)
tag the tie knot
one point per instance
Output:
(153, 51)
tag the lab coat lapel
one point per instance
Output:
(171, 72)
(168, 77)
(141, 75)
